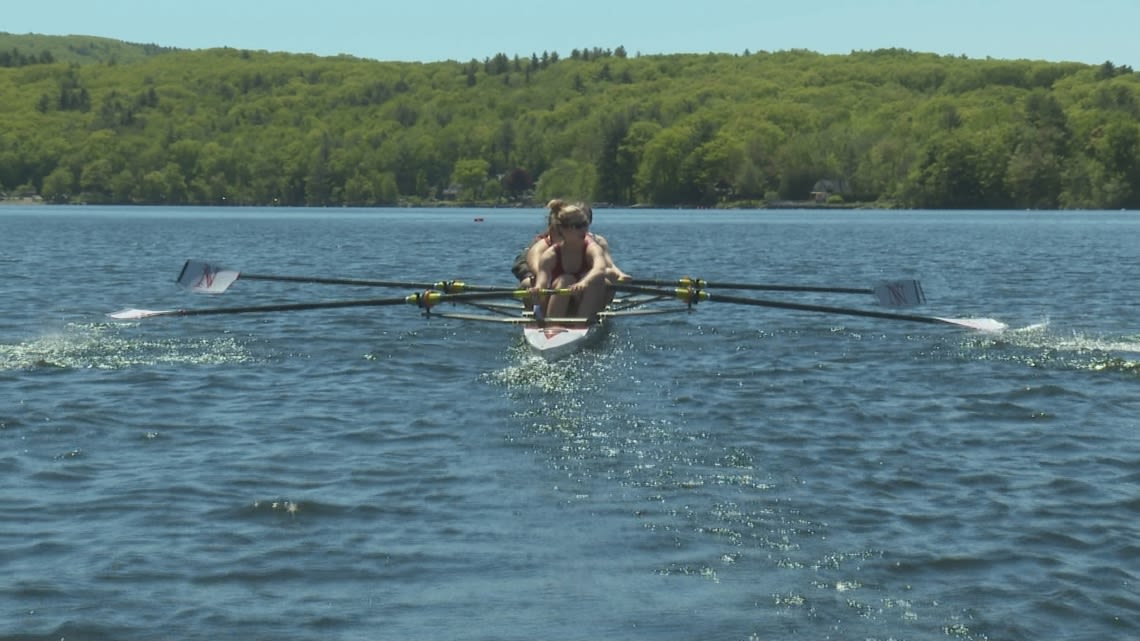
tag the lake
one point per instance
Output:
(734, 473)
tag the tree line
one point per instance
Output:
(16, 58)
(890, 127)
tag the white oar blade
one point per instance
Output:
(204, 278)
(136, 314)
(900, 293)
(980, 324)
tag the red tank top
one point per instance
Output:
(584, 265)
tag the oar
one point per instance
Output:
(899, 293)
(204, 278)
(425, 299)
(693, 296)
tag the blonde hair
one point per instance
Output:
(560, 210)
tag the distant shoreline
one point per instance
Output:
(786, 204)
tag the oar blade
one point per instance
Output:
(203, 278)
(138, 314)
(900, 293)
(990, 325)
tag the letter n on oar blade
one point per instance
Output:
(900, 293)
(204, 278)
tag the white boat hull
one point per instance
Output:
(553, 342)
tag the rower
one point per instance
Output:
(526, 263)
(576, 263)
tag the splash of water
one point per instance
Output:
(108, 346)
(1040, 345)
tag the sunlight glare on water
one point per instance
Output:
(106, 346)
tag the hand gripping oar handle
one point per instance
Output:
(693, 296)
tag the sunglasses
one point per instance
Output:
(578, 225)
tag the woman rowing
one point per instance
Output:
(526, 263)
(575, 263)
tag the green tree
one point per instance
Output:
(123, 187)
(162, 187)
(471, 176)
(1034, 171)
(517, 182)
(387, 193)
(95, 181)
(568, 179)
(59, 185)
(669, 173)
(946, 177)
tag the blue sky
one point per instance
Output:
(1090, 31)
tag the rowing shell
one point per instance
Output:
(553, 342)
(556, 338)
(560, 337)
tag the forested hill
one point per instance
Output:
(889, 127)
(31, 48)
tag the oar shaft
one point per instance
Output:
(870, 313)
(426, 300)
(693, 296)
(704, 284)
(202, 277)
(333, 281)
(447, 285)
(290, 307)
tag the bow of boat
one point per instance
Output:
(553, 341)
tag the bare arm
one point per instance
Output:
(612, 270)
(534, 255)
(598, 268)
(544, 266)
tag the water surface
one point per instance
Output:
(735, 473)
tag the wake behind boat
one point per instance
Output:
(554, 338)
